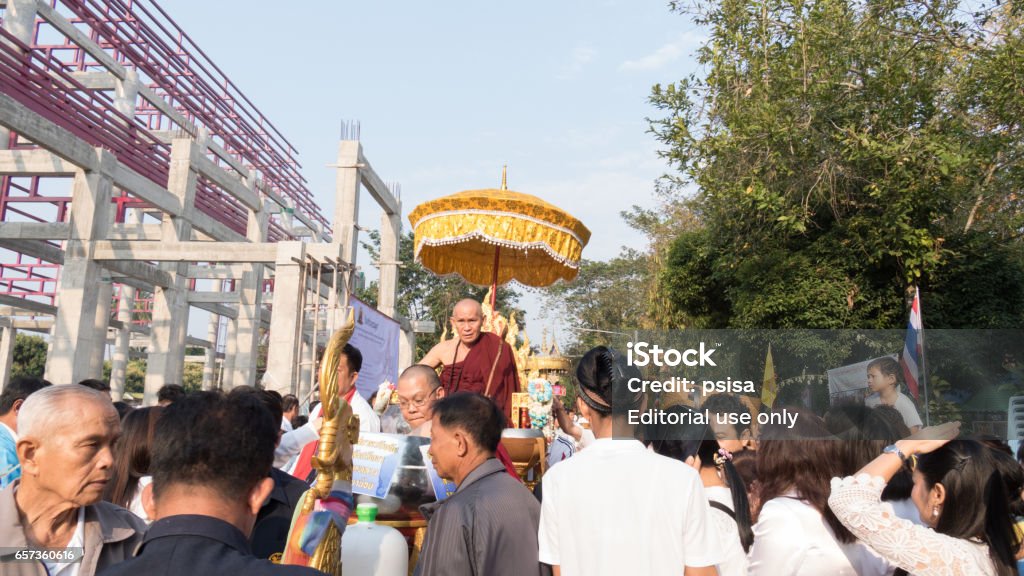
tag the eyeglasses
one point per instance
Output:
(417, 404)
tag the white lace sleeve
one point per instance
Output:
(856, 501)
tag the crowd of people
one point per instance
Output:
(208, 482)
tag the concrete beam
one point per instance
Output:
(228, 272)
(35, 230)
(185, 251)
(32, 126)
(138, 185)
(218, 309)
(96, 80)
(225, 181)
(214, 229)
(149, 232)
(147, 273)
(41, 326)
(377, 188)
(35, 162)
(28, 305)
(80, 38)
(213, 297)
(35, 249)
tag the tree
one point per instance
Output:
(845, 152)
(605, 298)
(29, 356)
(422, 295)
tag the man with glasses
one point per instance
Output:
(418, 388)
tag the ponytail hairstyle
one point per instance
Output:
(601, 377)
(970, 473)
(682, 442)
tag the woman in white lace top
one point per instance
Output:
(959, 494)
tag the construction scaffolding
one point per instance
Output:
(137, 182)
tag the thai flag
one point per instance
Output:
(910, 360)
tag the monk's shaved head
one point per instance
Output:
(468, 306)
(420, 373)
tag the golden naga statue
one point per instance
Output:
(333, 462)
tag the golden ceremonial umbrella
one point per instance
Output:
(496, 236)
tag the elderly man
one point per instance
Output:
(489, 525)
(418, 388)
(211, 475)
(476, 361)
(11, 400)
(67, 434)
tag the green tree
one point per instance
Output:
(605, 298)
(844, 152)
(29, 356)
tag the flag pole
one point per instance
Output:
(924, 362)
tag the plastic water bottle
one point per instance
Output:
(370, 549)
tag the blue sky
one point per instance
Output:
(447, 92)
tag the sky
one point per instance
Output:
(448, 92)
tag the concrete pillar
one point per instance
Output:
(119, 359)
(125, 305)
(210, 367)
(125, 96)
(8, 337)
(305, 369)
(406, 349)
(230, 343)
(126, 93)
(168, 327)
(75, 339)
(286, 321)
(346, 211)
(390, 228)
(101, 324)
(20, 19)
(250, 303)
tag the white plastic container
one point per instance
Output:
(370, 549)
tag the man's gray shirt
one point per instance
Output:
(488, 527)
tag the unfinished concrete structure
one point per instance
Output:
(137, 183)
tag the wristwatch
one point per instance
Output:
(894, 449)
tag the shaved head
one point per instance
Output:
(467, 320)
(469, 307)
(418, 388)
(421, 373)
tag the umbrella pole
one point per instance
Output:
(494, 277)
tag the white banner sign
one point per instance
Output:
(376, 336)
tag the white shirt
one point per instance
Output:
(286, 424)
(617, 508)
(856, 501)
(77, 540)
(562, 448)
(10, 431)
(293, 442)
(734, 558)
(135, 506)
(368, 419)
(903, 405)
(792, 538)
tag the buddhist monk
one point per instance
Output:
(475, 361)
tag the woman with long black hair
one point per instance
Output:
(960, 494)
(696, 445)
